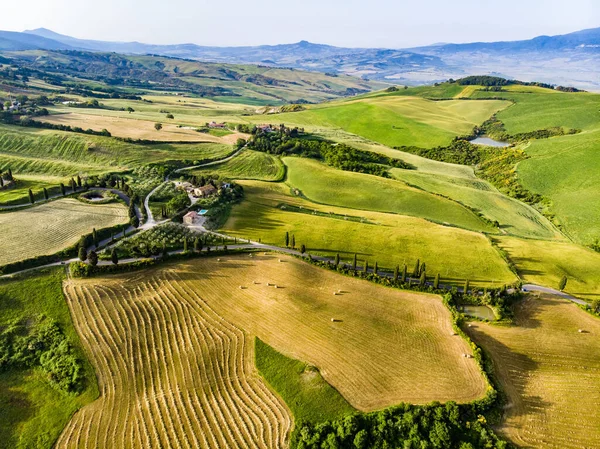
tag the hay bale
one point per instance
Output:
(581, 331)
(218, 260)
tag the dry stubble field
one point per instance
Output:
(172, 347)
(172, 373)
(550, 373)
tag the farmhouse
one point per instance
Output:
(265, 128)
(191, 218)
(205, 191)
(216, 125)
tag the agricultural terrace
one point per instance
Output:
(121, 124)
(550, 373)
(545, 263)
(269, 211)
(327, 185)
(247, 165)
(65, 154)
(51, 227)
(385, 346)
(397, 120)
(172, 372)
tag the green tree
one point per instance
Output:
(423, 278)
(185, 245)
(46, 196)
(361, 440)
(165, 251)
(62, 189)
(293, 241)
(82, 254)
(302, 249)
(95, 237)
(396, 273)
(422, 268)
(436, 281)
(197, 246)
(417, 269)
(366, 267)
(563, 283)
(78, 181)
(354, 262)
(287, 239)
(134, 221)
(466, 287)
(376, 269)
(130, 109)
(93, 257)
(170, 116)
(337, 259)
(404, 274)
(9, 175)
(158, 126)
(596, 306)
(114, 257)
(73, 185)
(31, 197)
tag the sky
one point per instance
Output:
(347, 23)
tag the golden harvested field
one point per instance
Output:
(137, 129)
(51, 227)
(388, 346)
(172, 373)
(550, 373)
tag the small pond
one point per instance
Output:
(489, 142)
(481, 312)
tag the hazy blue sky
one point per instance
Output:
(364, 23)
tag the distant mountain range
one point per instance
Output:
(570, 59)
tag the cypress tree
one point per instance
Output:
(73, 185)
(366, 267)
(417, 271)
(124, 230)
(423, 278)
(466, 287)
(82, 254)
(93, 258)
(354, 262)
(1, 180)
(114, 257)
(293, 241)
(165, 253)
(422, 268)
(436, 281)
(404, 274)
(185, 245)
(396, 272)
(302, 249)
(376, 268)
(31, 197)
(287, 239)
(78, 181)
(95, 237)
(135, 221)
(10, 176)
(197, 244)
(563, 283)
(62, 189)
(337, 259)
(46, 196)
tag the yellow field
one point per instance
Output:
(51, 227)
(386, 347)
(171, 372)
(550, 373)
(133, 128)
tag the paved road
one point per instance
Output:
(551, 291)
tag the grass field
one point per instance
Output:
(51, 227)
(33, 412)
(545, 263)
(326, 185)
(398, 120)
(550, 373)
(388, 239)
(301, 386)
(172, 373)
(248, 165)
(20, 193)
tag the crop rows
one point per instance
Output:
(172, 373)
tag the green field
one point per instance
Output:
(301, 386)
(33, 412)
(397, 121)
(545, 263)
(248, 165)
(326, 185)
(388, 239)
(64, 154)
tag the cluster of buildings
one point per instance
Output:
(198, 192)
